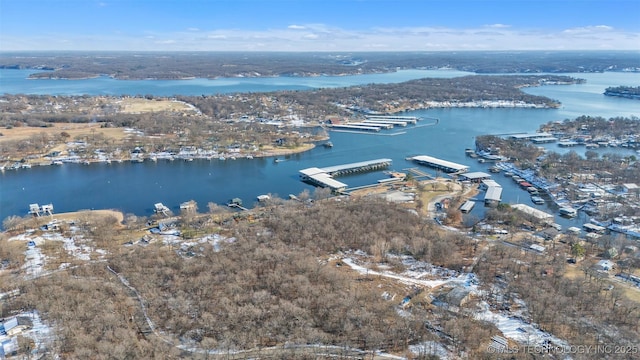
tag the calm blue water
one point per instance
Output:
(134, 188)
(15, 82)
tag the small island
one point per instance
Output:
(628, 92)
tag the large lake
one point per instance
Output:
(134, 188)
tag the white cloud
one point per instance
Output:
(589, 29)
(320, 37)
(498, 26)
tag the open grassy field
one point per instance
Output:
(141, 105)
(74, 130)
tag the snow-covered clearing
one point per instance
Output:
(517, 329)
(512, 326)
(39, 332)
(75, 245)
(34, 262)
(413, 277)
(431, 348)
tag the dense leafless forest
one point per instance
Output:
(280, 279)
(227, 64)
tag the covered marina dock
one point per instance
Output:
(440, 164)
(405, 119)
(319, 177)
(366, 123)
(493, 195)
(391, 123)
(361, 166)
(354, 127)
(477, 176)
(467, 206)
(324, 176)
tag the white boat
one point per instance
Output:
(537, 200)
(263, 197)
(568, 212)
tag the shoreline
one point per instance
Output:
(18, 165)
(69, 216)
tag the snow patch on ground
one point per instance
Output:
(431, 348)
(511, 324)
(414, 277)
(34, 262)
(35, 259)
(517, 329)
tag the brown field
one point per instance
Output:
(68, 216)
(273, 151)
(137, 105)
(75, 216)
(24, 132)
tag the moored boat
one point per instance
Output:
(537, 200)
(568, 212)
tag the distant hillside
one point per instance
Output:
(178, 65)
(624, 91)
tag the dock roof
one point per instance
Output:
(439, 162)
(533, 211)
(327, 180)
(490, 182)
(335, 168)
(475, 175)
(467, 206)
(494, 193)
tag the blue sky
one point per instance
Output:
(327, 25)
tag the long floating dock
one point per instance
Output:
(362, 166)
(440, 164)
(324, 176)
(354, 127)
(407, 119)
(366, 123)
(391, 123)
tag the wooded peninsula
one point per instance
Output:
(211, 65)
(270, 123)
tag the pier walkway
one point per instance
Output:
(417, 173)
